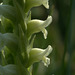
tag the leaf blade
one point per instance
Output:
(8, 12)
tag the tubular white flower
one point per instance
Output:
(35, 26)
(37, 54)
(33, 3)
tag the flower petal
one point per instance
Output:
(32, 3)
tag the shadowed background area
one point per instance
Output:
(60, 36)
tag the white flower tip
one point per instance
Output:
(48, 50)
(45, 24)
(49, 19)
(45, 3)
(45, 34)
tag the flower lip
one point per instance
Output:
(46, 61)
(47, 22)
(48, 50)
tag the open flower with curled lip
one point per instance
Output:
(35, 26)
(37, 54)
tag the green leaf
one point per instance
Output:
(2, 42)
(2, 30)
(22, 39)
(30, 46)
(7, 24)
(8, 56)
(8, 2)
(21, 3)
(20, 67)
(8, 12)
(9, 40)
(1, 27)
(23, 42)
(8, 70)
(20, 15)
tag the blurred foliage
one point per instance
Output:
(60, 36)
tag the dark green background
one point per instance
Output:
(61, 36)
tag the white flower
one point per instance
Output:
(35, 26)
(32, 3)
(37, 54)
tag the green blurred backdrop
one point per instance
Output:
(60, 36)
